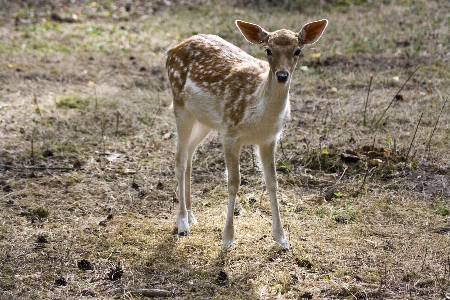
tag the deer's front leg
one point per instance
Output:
(267, 155)
(232, 150)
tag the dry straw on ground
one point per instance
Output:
(87, 190)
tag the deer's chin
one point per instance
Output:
(283, 82)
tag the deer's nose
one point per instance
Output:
(282, 75)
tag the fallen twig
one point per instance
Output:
(395, 97)
(36, 167)
(152, 293)
(345, 169)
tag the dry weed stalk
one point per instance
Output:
(395, 97)
(435, 125)
(414, 137)
(367, 100)
(358, 191)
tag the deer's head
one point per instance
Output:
(283, 46)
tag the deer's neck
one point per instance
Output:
(275, 95)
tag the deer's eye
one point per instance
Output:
(297, 52)
(269, 52)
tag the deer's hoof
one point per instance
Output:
(192, 220)
(226, 244)
(183, 226)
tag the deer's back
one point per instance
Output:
(215, 66)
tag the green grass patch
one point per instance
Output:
(72, 101)
(442, 209)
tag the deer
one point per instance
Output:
(218, 86)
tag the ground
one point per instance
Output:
(87, 143)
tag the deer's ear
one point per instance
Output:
(252, 32)
(312, 32)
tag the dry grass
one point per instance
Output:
(87, 148)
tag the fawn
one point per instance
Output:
(218, 86)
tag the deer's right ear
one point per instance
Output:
(252, 32)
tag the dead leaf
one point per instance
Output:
(320, 200)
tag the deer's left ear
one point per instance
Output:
(252, 32)
(312, 32)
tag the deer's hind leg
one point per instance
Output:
(185, 123)
(198, 134)
(190, 134)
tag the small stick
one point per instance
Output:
(393, 99)
(412, 141)
(364, 182)
(367, 100)
(36, 168)
(435, 125)
(152, 293)
(345, 169)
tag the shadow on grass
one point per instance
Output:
(196, 267)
